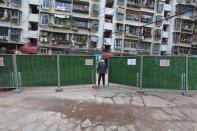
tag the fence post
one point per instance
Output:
(15, 70)
(108, 71)
(16, 79)
(137, 82)
(186, 77)
(141, 75)
(59, 89)
(186, 93)
(182, 83)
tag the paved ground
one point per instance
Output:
(86, 109)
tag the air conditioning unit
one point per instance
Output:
(55, 43)
(51, 24)
(5, 38)
(107, 41)
(1, 37)
(120, 10)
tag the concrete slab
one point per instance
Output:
(43, 109)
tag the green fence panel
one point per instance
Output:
(192, 73)
(74, 71)
(7, 72)
(160, 75)
(121, 72)
(37, 70)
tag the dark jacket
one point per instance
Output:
(102, 68)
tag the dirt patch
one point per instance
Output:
(98, 113)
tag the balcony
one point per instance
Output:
(34, 17)
(133, 3)
(133, 15)
(109, 11)
(167, 7)
(81, 7)
(108, 26)
(107, 41)
(165, 34)
(146, 17)
(62, 6)
(148, 4)
(4, 38)
(164, 48)
(34, 2)
(32, 34)
(191, 2)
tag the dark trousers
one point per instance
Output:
(103, 78)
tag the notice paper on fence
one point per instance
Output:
(1, 61)
(164, 63)
(131, 61)
(89, 62)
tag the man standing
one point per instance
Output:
(101, 70)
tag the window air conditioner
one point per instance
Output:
(5, 37)
(120, 10)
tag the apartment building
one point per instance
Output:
(124, 27)
(184, 31)
(10, 25)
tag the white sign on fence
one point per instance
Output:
(131, 61)
(89, 62)
(1, 61)
(164, 63)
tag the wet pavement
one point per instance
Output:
(81, 108)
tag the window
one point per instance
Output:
(177, 24)
(45, 4)
(119, 28)
(118, 44)
(130, 45)
(120, 16)
(160, 7)
(133, 3)
(96, 9)
(93, 41)
(159, 20)
(62, 22)
(132, 30)
(33, 41)
(148, 3)
(34, 9)
(15, 34)
(3, 32)
(94, 25)
(43, 50)
(81, 23)
(81, 8)
(147, 32)
(62, 5)
(133, 15)
(109, 3)
(16, 2)
(44, 19)
(176, 38)
(121, 2)
(157, 34)
(146, 17)
(33, 26)
(144, 47)
(156, 48)
(16, 16)
(165, 41)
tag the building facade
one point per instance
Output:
(125, 27)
